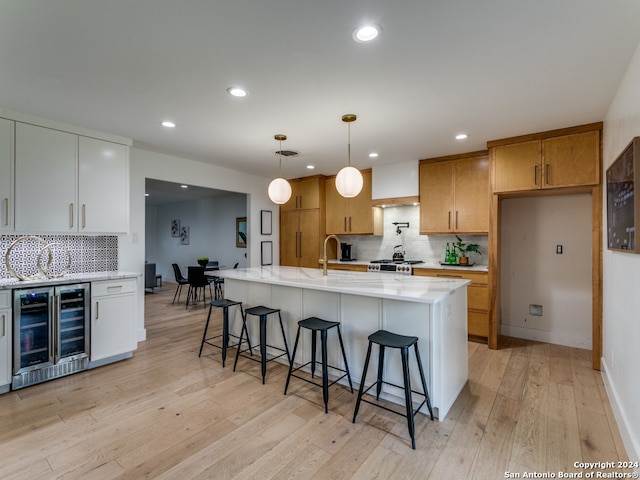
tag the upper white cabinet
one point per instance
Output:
(103, 186)
(69, 183)
(6, 175)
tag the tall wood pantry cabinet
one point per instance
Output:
(302, 223)
(454, 194)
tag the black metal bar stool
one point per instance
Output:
(224, 304)
(263, 313)
(318, 325)
(385, 339)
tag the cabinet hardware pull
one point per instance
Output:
(449, 276)
(97, 310)
(4, 324)
(345, 224)
(349, 223)
(6, 212)
(449, 220)
(456, 219)
(114, 286)
(84, 215)
(535, 174)
(71, 211)
(546, 173)
(300, 201)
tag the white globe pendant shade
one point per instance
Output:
(349, 182)
(279, 191)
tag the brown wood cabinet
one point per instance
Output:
(302, 222)
(352, 216)
(454, 194)
(559, 161)
(346, 267)
(305, 193)
(477, 297)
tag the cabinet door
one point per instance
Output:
(309, 227)
(336, 209)
(305, 193)
(289, 238)
(46, 180)
(103, 186)
(360, 214)
(571, 160)
(113, 325)
(471, 187)
(436, 197)
(517, 167)
(6, 175)
(5, 347)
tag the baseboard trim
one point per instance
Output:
(566, 339)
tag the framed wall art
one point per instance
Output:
(266, 253)
(175, 228)
(184, 236)
(241, 232)
(265, 222)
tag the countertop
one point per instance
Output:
(11, 283)
(474, 268)
(369, 284)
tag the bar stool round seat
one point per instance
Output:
(317, 325)
(262, 313)
(385, 339)
(225, 304)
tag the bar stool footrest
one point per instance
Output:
(402, 414)
(312, 376)
(241, 353)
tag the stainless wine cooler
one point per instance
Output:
(51, 333)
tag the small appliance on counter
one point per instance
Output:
(398, 253)
(348, 252)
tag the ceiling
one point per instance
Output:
(491, 69)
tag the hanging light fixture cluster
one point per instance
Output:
(349, 181)
(279, 189)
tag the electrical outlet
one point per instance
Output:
(559, 249)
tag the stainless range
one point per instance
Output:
(392, 266)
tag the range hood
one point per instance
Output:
(395, 184)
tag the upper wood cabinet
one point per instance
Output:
(454, 194)
(352, 216)
(553, 161)
(305, 193)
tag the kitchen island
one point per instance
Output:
(433, 309)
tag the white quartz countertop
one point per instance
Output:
(9, 283)
(382, 285)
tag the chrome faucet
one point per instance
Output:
(323, 260)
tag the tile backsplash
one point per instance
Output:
(88, 253)
(428, 248)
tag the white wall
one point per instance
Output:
(212, 226)
(532, 272)
(144, 164)
(621, 278)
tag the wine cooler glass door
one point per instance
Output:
(33, 343)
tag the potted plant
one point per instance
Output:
(464, 249)
(202, 261)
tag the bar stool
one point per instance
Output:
(318, 325)
(263, 313)
(224, 304)
(385, 339)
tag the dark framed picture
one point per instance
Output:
(241, 232)
(184, 236)
(265, 222)
(175, 228)
(266, 253)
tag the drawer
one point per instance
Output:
(5, 299)
(478, 297)
(478, 324)
(113, 287)
(480, 278)
(349, 268)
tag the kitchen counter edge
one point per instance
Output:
(13, 283)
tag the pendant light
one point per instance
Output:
(349, 180)
(279, 189)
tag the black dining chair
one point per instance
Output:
(198, 281)
(180, 280)
(218, 285)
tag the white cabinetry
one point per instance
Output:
(69, 183)
(6, 174)
(5, 340)
(113, 318)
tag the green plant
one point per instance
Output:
(203, 259)
(465, 248)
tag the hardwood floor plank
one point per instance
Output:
(563, 438)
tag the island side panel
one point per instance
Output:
(450, 366)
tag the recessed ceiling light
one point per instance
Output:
(168, 124)
(366, 33)
(462, 136)
(310, 167)
(237, 92)
(373, 155)
(184, 186)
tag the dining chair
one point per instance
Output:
(180, 280)
(218, 284)
(197, 281)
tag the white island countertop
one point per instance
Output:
(369, 284)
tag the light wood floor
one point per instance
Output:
(168, 414)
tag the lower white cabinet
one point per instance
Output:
(5, 340)
(113, 318)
